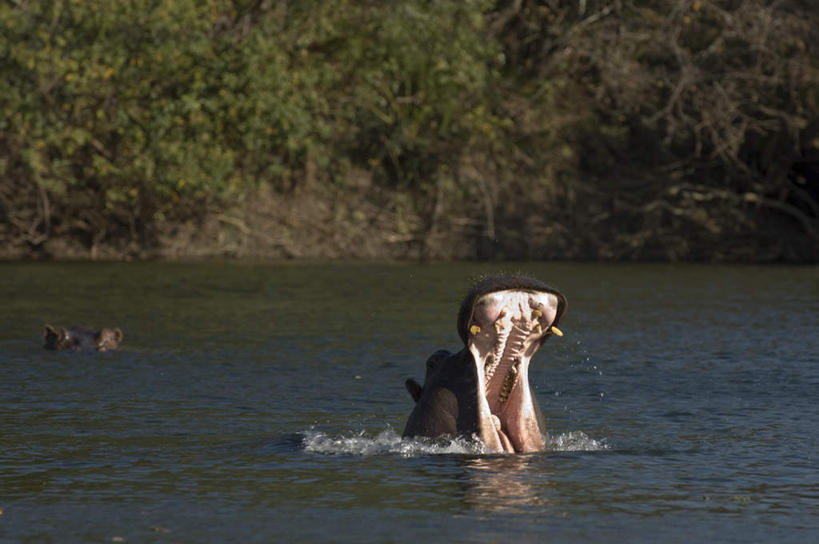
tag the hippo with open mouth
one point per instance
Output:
(483, 390)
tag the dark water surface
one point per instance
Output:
(264, 403)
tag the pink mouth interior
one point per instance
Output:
(506, 329)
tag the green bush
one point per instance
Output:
(125, 114)
(542, 127)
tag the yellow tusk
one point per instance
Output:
(556, 331)
(474, 329)
(537, 313)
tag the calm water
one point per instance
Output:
(264, 403)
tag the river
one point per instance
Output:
(262, 402)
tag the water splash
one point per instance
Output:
(575, 441)
(388, 442)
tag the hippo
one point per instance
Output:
(81, 338)
(483, 390)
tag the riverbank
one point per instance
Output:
(363, 223)
(676, 131)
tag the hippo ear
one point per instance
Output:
(118, 334)
(50, 330)
(414, 389)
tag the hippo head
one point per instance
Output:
(57, 338)
(484, 388)
(107, 339)
(81, 338)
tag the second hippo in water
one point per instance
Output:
(483, 390)
(81, 338)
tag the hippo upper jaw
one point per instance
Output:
(505, 329)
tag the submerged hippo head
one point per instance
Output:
(107, 339)
(483, 389)
(81, 339)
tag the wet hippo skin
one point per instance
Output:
(483, 390)
(81, 338)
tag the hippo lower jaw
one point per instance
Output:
(506, 328)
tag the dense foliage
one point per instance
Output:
(656, 129)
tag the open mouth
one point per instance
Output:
(504, 330)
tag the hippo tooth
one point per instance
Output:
(536, 314)
(504, 394)
(538, 328)
(556, 331)
(508, 383)
(499, 321)
(509, 380)
(489, 365)
(474, 329)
